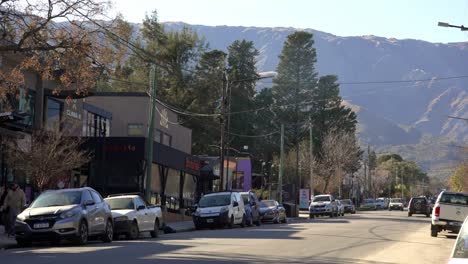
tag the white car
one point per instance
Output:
(324, 204)
(449, 212)
(460, 248)
(395, 204)
(133, 216)
(220, 209)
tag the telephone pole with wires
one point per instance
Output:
(149, 140)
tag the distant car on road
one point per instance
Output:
(450, 210)
(419, 205)
(395, 204)
(252, 208)
(324, 204)
(368, 204)
(460, 248)
(271, 210)
(133, 216)
(348, 206)
(381, 203)
(75, 214)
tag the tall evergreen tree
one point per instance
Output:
(242, 75)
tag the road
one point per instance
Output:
(368, 237)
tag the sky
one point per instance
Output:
(401, 19)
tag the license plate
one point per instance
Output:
(41, 225)
(209, 220)
(455, 224)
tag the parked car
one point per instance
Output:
(460, 249)
(348, 206)
(395, 204)
(340, 207)
(75, 214)
(252, 208)
(450, 210)
(381, 203)
(133, 216)
(271, 210)
(324, 204)
(220, 209)
(419, 205)
(368, 204)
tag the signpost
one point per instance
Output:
(304, 197)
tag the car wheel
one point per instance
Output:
(331, 215)
(109, 234)
(244, 220)
(155, 232)
(231, 222)
(24, 242)
(410, 214)
(82, 237)
(433, 231)
(134, 232)
(311, 216)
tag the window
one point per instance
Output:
(139, 202)
(54, 108)
(166, 139)
(135, 129)
(95, 125)
(96, 197)
(86, 196)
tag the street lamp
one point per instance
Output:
(445, 24)
(226, 94)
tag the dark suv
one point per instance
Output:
(419, 205)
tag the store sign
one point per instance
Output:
(192, 164)
(304, 198)
(74, 108)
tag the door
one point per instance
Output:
(100, 212)
(91, 212)
(142, 215)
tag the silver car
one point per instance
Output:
(72, 214)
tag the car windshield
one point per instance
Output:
(50, 199)
(346, 201)
(322, 199)
(268, 203)
(368, 201)
(215, 200)
(460, 249)
(395, 200)
(245, 197)
(121, 203)
(454, 198)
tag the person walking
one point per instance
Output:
(14, 204)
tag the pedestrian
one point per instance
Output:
(14, 204)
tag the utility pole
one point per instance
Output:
(311, 161)
(149, 140)
(281, 167)
(222, 140)
(366, 185)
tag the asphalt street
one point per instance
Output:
(368, 237)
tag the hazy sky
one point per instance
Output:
(392, 18)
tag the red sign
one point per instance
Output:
(191, 164)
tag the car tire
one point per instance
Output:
(133, 232)
(434, 231)
(108, 236)
(331, 215)
(82, 237)
(155, 232)
(24, 242)
(231, 222)
(410, 214)
(311, 216)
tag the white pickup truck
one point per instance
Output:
(132, 215)
(449, 212)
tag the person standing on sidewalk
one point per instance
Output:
(14, 204)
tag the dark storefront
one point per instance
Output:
(118, 166)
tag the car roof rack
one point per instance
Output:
(123, 194)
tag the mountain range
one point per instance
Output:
(402, 90)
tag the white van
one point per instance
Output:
(220, 209)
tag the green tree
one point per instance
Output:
(242, 75)
(383, 158)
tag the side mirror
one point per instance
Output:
(141, 207)
(235, 204)
(89, 203)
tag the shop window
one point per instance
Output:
(166, 139)
(95, 125)
(135, 130)
(54, 108)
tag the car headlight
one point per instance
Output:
(197, 212)
(69, 214)
(21, 217)
(120, 218)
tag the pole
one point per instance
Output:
(311, 161)
(228, 111)
(223, 116)
(149, 140)
(281, 167)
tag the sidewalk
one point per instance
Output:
(5, 241)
